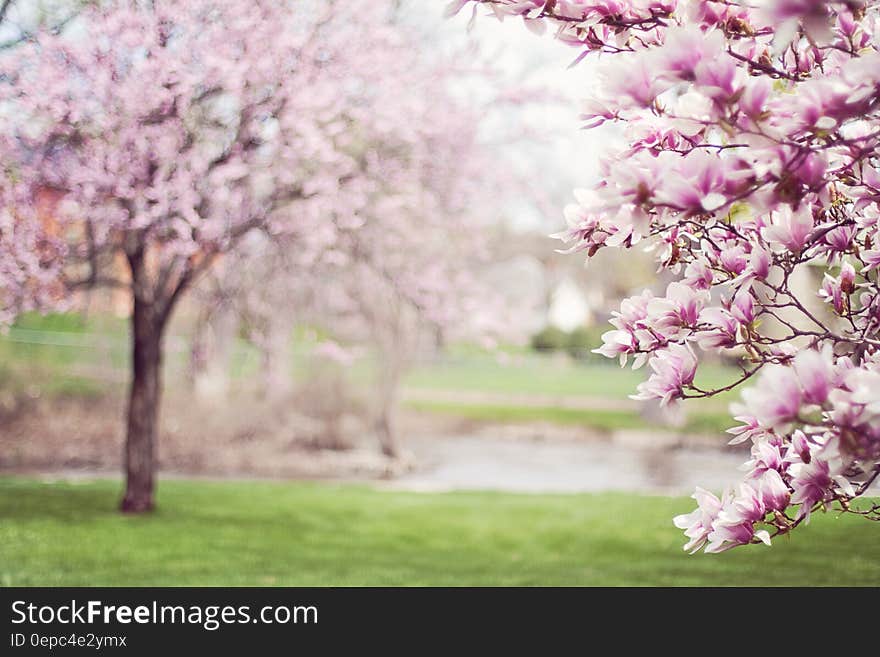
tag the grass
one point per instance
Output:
(236, 533)
(62, 354)
(70, 355)
(595, 418)
(59, 341)
(544, 375)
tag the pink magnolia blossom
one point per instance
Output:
(815, 375)
(871, 258)
(735, 523)
(674, 369)
(811, 483)
(748, 429)
(743, 307)
(789, 228)
(698, 275)
(680, 307)
(699, 523)
(775, 401)
(774, 491)
(720, 332)
(832, 292)
(759, 262)
(750, 162)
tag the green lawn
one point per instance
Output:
(237, 533)
(69, 355)
(535, 374)
(600, 419)
(545, 375)
(71, 347)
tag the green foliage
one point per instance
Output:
(583, 340)
(264, 534)
(549, 339)
(578, 343)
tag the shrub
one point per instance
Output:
(549, 339)
(582, 341)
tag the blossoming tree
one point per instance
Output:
(390, 274)
(751, 157)
(165, 132)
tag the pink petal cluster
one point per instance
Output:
(752, 154)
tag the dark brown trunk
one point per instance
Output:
(387, 436)
(143, 408)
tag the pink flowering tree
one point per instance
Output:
(389, 274)
(751, 158)
(399, 299)
(164, 133)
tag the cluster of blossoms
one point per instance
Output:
(28, 252)
(173, 129)
(751, 168)
(814, 424)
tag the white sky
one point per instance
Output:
(569, 159)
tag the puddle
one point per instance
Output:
(485, 463)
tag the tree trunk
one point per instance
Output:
(275, 345)
(211, 351)
(386, 422)
(390, 331)
(387, 434)
(143, 408)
